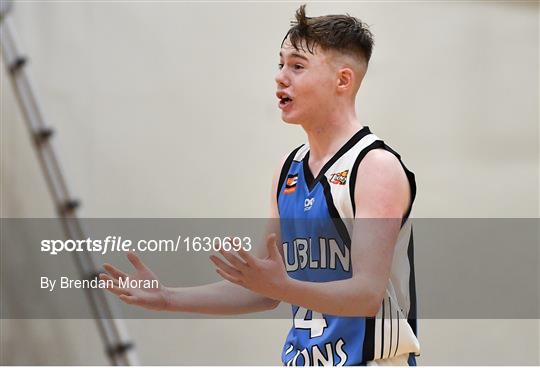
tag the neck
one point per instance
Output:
(328, 135)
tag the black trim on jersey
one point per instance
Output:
(368, 348)
(334, 214)
(412, 182)
(382, 331)
(285, 170)
(391, 325)
(310, 181)
(354, 173)
(308, 176)
(411, 318)
(397, 341)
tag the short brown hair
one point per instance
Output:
(341, 33)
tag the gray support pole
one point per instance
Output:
(112, 330)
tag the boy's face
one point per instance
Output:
(306, 85)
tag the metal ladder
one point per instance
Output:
(112, 330)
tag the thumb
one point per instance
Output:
(272, 246)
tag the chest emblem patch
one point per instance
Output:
(339, 178)
(290, 184)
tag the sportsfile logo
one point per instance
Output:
(290, 185)
(308, 203)
(339, 178)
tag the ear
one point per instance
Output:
(346, 79)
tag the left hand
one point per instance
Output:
(263, 276)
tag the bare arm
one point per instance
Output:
(221, 298)
(382, 198)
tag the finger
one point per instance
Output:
(114, 272)
(225, 267)
(233, 260)
(118, 291)
(272, 246)
(248, 258)
(129, 299)
(228, 277)
(235, 242)
(245, 256)
(105, 277)
(136, 261)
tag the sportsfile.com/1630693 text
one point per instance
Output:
(116, 243)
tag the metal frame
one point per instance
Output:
(112, 330)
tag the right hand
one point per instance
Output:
(155, 298)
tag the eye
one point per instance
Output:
(298, 66)
(280, 66)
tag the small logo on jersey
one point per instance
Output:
(290, 185)
(339, 178)
(308, 203)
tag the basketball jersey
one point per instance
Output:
(315, 220)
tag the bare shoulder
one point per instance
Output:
(382, 188)
(381, 161)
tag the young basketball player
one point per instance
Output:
(350, 282)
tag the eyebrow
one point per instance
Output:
(295, 54)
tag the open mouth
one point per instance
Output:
(284, 100)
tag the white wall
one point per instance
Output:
(168, 110)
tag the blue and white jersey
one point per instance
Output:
(315, 216)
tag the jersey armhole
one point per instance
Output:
(410, 176)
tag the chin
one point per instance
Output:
(290, 120)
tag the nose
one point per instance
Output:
(281, 79)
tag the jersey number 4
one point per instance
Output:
(316, 324)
